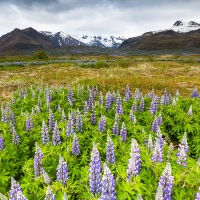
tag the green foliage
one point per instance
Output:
(41, 55)
(97, 65)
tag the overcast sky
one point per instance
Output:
(96, 17)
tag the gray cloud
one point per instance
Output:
(104, 17)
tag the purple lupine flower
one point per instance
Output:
(166, 98)
(51, 120)
(44, 133)
(110, 153)
(108, 185)
(197, 195)
(121, 110)
(182, 151)
(134, 106)
(93, 117)
(123, 132)
(79, 121)
(141, 106)
(47, 178)
(190, 111)
(181, 155)
(118, 104)
(56, 135)
(70, 126)
(127, 94)
(154, 105)
(195, 92)
(166, 181)
(38, 170)
(150, 143)
(154, 127)
(114, 97)
(15, 138)
(70, 96)
(102, 124)
(91, 100)
(1, 143)
(159, 193)
(157, 152)
(115, 128)
(75, 146)
(134, 163)
(20, 196)
(29, 123)
(108, 101)
(101, 98)
(15, 188)
(49, 194)
(95, 170)
(3, 116)
(62, 171)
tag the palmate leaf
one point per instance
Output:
(4, 176)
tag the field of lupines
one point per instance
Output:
(64, 143)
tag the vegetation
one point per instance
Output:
(51, 116)
(41, 55)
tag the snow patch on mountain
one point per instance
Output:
(185, 26)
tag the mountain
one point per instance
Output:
(62, 39)
(25, 39)
(99, 41)
(182, 36)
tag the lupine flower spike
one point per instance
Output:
(110, 154)
(15, 187)
(49, 194)
(62, 171)
(94, 172)
(1, 143)
(75, 146)
(108, 185)
(166, 181)
(139, 197)
(47, 179)
(38, 170)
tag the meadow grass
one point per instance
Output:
(142, 72)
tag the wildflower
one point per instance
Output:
(157, 152)
(79, 123)
(139, 197)
(16, 138)
(141, 106)
(110, 154)
(195, 92)
(127, 94)
(150, 143)
(123, 132)
(134, 165)
(154, 127)
(51, 120)
(115, 128)
(29, 123)
(102, 124)
(56, 135)
(93, 117)
(75, 146)
(1, 143)
(38, 170)
(190, 111)
(47, 179)
(44, 133)
(108, 101)
(62, 171)
(166, 181)
(15, 188)
(49, 194)
(94, 172)
(108, 185)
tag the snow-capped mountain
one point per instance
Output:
(109, 42)
(63, 39)
(185, 26)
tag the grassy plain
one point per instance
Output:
(143, 72)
